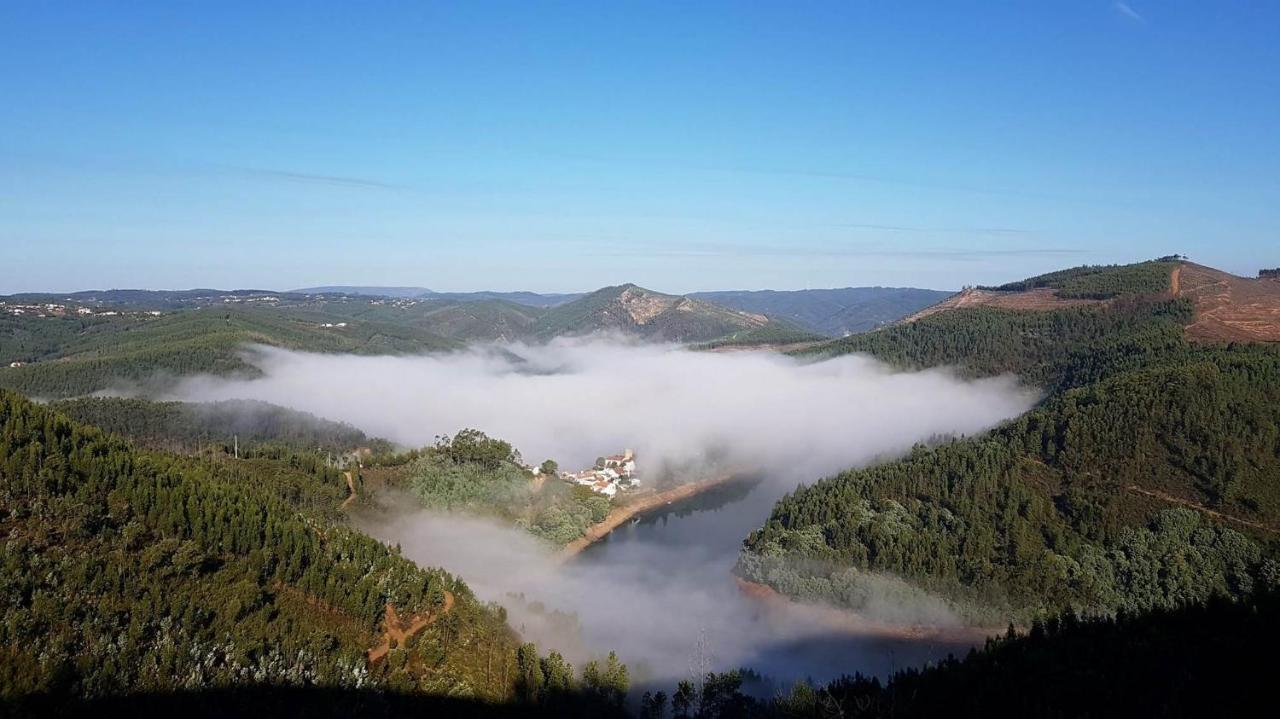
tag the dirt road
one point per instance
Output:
(1201, 508)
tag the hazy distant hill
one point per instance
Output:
(403, 292)
(637, 311)
(833, 312)
(532, 299)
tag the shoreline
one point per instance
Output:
(620, 515)
(851, 622)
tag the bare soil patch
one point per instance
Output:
(1229, 308)
(1044, 298)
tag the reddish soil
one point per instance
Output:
(398, 631)
(1044, 298)
(351, 485)
(1229, 308)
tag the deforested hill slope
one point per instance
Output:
(1229, 308)
(1149, 476)
(130, 571)
(833, 312)
(1084, 285)
(638, 312)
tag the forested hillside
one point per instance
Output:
(1150, 476)
(833, 312)
(79, 356)
(193, 428)
(128, 571)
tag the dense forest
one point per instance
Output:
(151, 353)
(131, 571)
(1099, 282)
(471, 472)
(1147, 478)
(193, 428)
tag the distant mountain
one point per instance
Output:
(530, 299)
(399, 292)
(478, 320)
(833, 312)
(637, 311)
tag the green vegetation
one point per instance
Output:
(129, 352)
(776, 333)
(1055, 349)
(124, 570)
(1085, 503)
(190, 428)
(1100, 282)
(474, 473)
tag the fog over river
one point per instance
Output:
(658, 591)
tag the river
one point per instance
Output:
(682, 557)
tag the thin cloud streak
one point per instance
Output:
(1124, 9)
(306, 177)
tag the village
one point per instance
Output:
(52, 309)
(612, 474)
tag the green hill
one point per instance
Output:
(651, 315)
(125, 570)
(833, 312)
(75, 356)
(1148, 477)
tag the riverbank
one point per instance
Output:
(849, 622)
(640, 504)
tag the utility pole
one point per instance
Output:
(236, 439)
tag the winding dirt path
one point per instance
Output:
(351, 485)
(1201, 508)
(399, 633)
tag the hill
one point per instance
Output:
(1085, 285)
(1229, 308)
(247, 426)
(127, 570)
(644, 313)
(70, 355)
(834, 312)
(400, 292)
(1149, 476)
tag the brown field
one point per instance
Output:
(1229, 308)
(1044, 298)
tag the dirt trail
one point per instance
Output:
(641, 504)
(351, 485)
(395, 631)
(1175, 280)
(1201, 508)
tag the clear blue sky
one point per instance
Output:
(684, 146)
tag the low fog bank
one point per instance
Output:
(575, 399)
(660, 593)
(670, 609)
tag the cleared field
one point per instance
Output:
(1229, 308)
(1044, 298)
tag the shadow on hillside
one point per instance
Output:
(269, 701)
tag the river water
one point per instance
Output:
(689, 615)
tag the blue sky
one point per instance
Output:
(682, 146)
